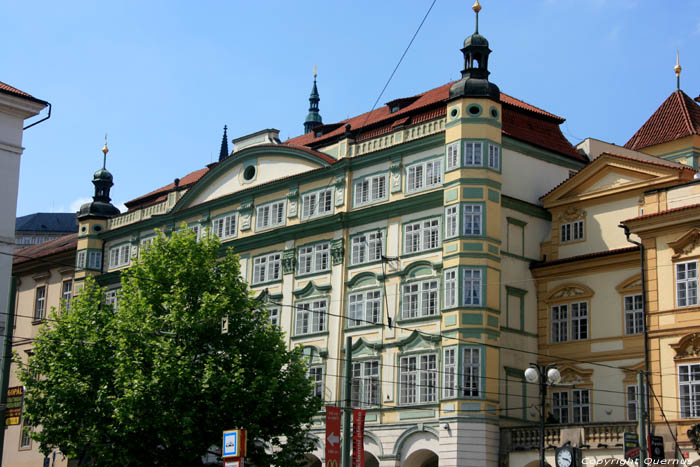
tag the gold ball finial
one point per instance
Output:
(476, 7)
(677, 68)
(315, 68)
(105, 149)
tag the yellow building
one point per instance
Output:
(43, 280)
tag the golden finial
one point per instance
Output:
(315, 68)
(678, 70)
(105, 149)
(476, 7)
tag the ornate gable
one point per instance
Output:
(572, 374)
(569, 291)
(687, 244)
(688, 347)
(630, 285)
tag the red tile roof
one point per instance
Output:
(42, 250)
(544, 264)
(521, 121)
(661, 213)
(7, 89)
(676, 118)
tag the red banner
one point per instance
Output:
(358, 437)
(332, 436)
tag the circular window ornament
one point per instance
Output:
(494, 112)
(83, 229)
(474, 110)
(249, 173)
(97, 228)
(454, 112)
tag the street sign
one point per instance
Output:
(631, 442)
(15, 395)
(358, 437)
(656, 447)
(234, 444)
(232, 464)
(332, 436)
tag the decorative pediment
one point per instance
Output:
(686, 244)
(630, 285)
(569, 292)
(417, 341)
(572, 374)
(363, 279)
(420, 268)
(571, 214)
(313, 354)
(363, 348)
(311, 289)
(632, 371)
(688, 347)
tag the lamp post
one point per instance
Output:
(545, 375)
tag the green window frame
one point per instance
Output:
(364, 307)
(370, 189)
(368, 246)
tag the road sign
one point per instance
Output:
(631, 441)
(234, 444)
(332, 436)
(358, 437)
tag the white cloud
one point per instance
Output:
(75, 205)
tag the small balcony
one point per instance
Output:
(591, 435)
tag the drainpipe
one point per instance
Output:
(642, 256)
(7, 360)
(39, 121)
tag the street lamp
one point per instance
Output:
(545, 375)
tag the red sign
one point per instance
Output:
(332, 436)
(358, 437)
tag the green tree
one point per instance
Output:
(155, 382)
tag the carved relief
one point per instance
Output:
(395, 175)
(339, 190)
(288, 261)
(571, 374)
(569, 291)
(337, 251)
(571, 214)
(245, 212)
(688, 347)
(292, 202)
(686, 243)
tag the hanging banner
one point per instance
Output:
(15, 396)
(656, 448)
(332, 436)
(358, 437)
(631, 442)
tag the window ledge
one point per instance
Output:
(312, 274)
(369, 263)
(435, 317)
(422, 252)
(258, 284)
(362, 327)
(310, 334)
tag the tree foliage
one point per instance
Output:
(154, 381)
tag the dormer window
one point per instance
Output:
(394, 108)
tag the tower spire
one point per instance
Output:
(223, 152)
(678, 70)
(477, 8)
(105, 150)
(313, 118)
(101, 205)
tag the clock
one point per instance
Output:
(564, 458)
(567, 456)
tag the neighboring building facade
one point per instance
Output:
(43, 277)
(411, 229)
(43, 226)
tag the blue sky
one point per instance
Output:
(162, 78)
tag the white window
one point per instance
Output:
(146, 242)
(315, 374)
(370, 190)
(634, 314)
(197, 230)
(450, 288)
(581, 405)
(112, 298)
(471, 372)
(452, 150)
(472, 287)
(579, 321)
(418, 379)
(450, 372)
(95, 260)
(365, 383)
(225, 227)
(473, 153)
(274, 316)
(632, 403)
(687, 283)
(317, 204)
(424, 175)
(472, 219)
(25, 440)
(311, 317)
(314, 258)
(367, 247)
(67, 293)
(80, 260)
(689, 390)
(572, 231)
(364, 308)
(40, 302)
(420, 299)
(560, 323)
(119, 255)
(421, 236)
(269, 215)
(451, 220)
(267, 268)
(494, 156)
(560, 406)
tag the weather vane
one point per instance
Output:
(105, 150)
(315, 68)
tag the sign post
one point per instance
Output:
(332, 436)
(631, 443)
(233, 448)
(15, 395)
(358, 437)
